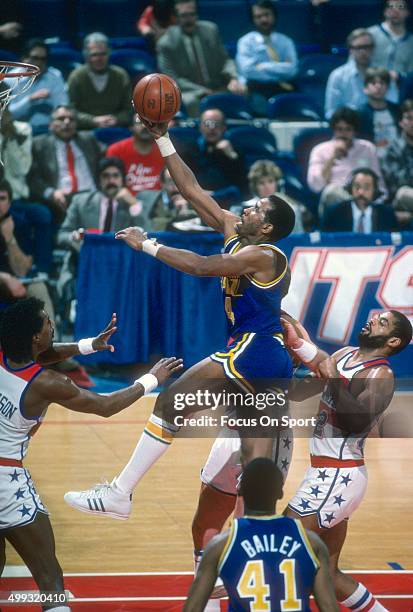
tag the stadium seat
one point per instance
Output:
(116, 18)
(304, 142)
(254, 142)
(184, 139)
(65, 59)
(8, 56)
(231, 17)
(293, 185)
(339, 17)
(109, 135)
(293, 107)
(295, 19)
(232, 105)
(129, 42)
(136, 62)
(48, 19)
(313, 72)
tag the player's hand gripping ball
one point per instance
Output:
(156, 98)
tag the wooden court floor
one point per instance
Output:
(73, 451)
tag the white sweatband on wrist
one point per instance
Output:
(165, 145)
(306, 352)
(148, 381)
(150, 246)
(85, 346)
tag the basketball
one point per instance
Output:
(156, 98)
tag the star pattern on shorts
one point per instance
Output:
(287, 443)
(315, 490)
(15, 476)
(322, 474)
(19, 493)
(25, 510)
(304, 504)
(284, 464)
(339, 500)
(329, 517)
(345, 479)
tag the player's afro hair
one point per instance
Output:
(18, 324)
(282, 216)
(261, 485)
(402, 329)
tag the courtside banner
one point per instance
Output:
(338, 282)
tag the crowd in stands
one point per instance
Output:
(76, 159)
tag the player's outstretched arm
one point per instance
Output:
(323, 589)
(305, 350)
(249, 260)
(61, 351)
(207, 208)
(53, 387)
(206, 575)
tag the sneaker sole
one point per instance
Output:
(120, 517)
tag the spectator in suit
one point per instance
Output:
(108, 209)
(34, 220)
(17, 279)
(192, 53)
(141, 158)
(360, 214)
(219, 168)
(100, 93)
(345, 85)
(266, 59)
(159, 210)
(393, 43)
(48, 90)
(65, 162)
(378, 117)
(397, 167)
(332, 161)
(155, 20)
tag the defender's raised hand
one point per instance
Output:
(133, 236)
(100, 343)
(166, 367)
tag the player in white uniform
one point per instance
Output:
(359, 388)
(26, 390)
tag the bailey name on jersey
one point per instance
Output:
(268, 543)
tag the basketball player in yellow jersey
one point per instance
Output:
(255, 276)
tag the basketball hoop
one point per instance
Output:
(15, 79)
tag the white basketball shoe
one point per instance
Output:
(104, 499)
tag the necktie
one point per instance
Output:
(107, 226)
(360, 224)
(273, 54)
(200, 77)
(71, 166)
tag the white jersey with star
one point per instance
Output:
(15, 428)
(329, 439)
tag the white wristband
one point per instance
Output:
(150, 246)
(85, 346)
(165, 145)
(148, 381)
(306, 352)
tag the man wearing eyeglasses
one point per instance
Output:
(100, 92)
(345, 85)
(48, 90)
(192, 53)
(65, 162)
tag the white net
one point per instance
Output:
(15, 80)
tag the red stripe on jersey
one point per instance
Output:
(26, 373)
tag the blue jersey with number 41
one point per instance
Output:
(268, 564)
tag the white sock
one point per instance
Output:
(361, 599)
(155, 440)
